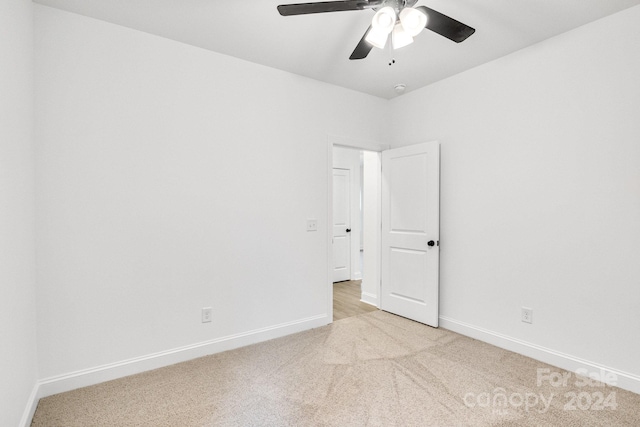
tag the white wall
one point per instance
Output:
(361, 222)
(171, 178)
(371, 200)
(540, 199)
(18, 368)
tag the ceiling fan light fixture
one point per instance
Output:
(384, 19)
(389, 14)
(377, 38)
(413, 21)
(400, 38)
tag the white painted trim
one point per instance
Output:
(360, 144)
(357, 275)
(370, 299)
(30, 409)
(378, 276)
(329, 280)
(570, 363)
(87, 377)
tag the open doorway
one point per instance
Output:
(355, 236)
(400, 270)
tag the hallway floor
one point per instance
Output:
(346, 300)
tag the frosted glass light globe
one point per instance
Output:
(413, 21)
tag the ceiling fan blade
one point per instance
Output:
(327, 6)
(445, 26)
(363, 48)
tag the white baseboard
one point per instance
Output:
(83, 378)
(369, 298)
(30, 409)
(70, 381)
(570, 363)
(357, 275)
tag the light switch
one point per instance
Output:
(312, 225)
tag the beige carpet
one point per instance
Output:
(372, 370)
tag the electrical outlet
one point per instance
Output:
(312, 224)
(527, 315)
(206, 315)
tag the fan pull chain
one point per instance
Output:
(392, 60)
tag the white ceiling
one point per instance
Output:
(319, 45)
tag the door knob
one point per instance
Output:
(431, 243)
(348, 230)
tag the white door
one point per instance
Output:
(341, 225)
(410, 232)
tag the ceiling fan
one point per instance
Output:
(396, 17)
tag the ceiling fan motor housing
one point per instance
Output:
(397, 5)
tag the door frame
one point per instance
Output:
(353, 144)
